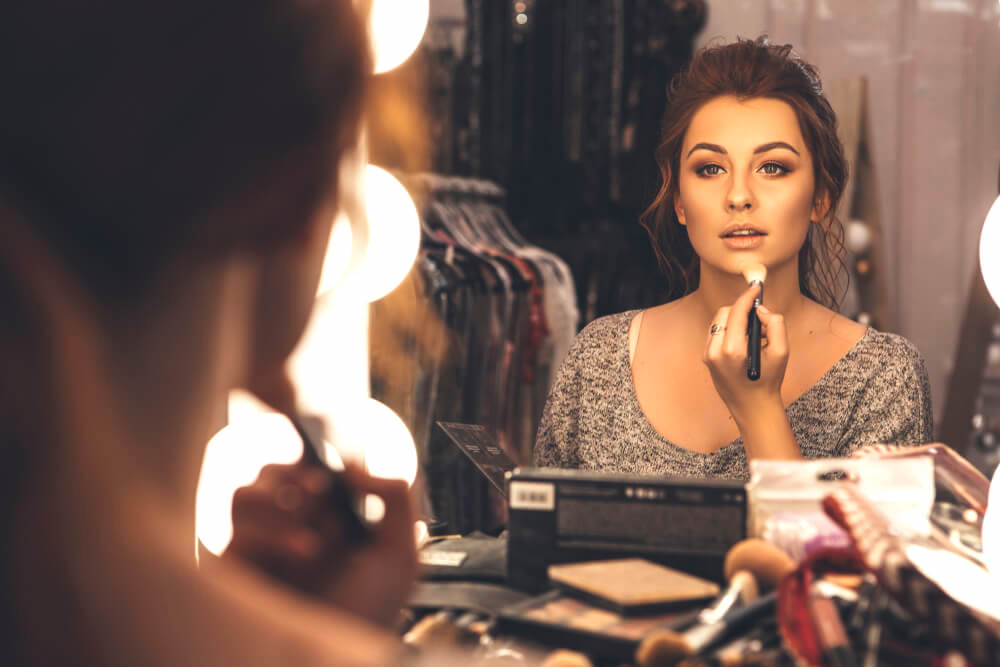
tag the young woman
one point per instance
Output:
(752, 174)
(168, 178)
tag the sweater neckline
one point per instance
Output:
(633, 397)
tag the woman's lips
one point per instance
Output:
(743, 242)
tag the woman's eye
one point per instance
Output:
(773, 169)
(709, 170)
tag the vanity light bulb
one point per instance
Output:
(393, 235)
(989, 251)
(370, 429)
(338, 255)
(233, 458)
(396, 28)
(857, 237)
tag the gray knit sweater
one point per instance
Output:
(876, 393)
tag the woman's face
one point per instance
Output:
(746, 184)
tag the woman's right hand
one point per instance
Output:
(283, 524)
(726, 358)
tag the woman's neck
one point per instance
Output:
(718, 289)
(174, 378)
(142, 396)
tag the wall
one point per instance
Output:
(934, 88)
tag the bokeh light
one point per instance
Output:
(397, 26)
(371, 427)
(393, 235)
(989, 251)
(338, 255)
(233, 459)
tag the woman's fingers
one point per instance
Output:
(276, 541)
(739, 316)
(727, 338)
(716, 335)
(773, 326)
(397, 523)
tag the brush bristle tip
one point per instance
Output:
(755, 273)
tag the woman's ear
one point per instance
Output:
(821, 207)
(679, 209)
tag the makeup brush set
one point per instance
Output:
(903, 584)
(879, 602)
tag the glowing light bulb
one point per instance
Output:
(989, 251)
(233, 458)
(858, 237)
(338, 255)
(393, 235)
(370, 428)
(397, 26)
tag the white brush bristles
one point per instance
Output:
(755, 273)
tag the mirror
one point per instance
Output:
(559, 103)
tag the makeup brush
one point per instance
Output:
(754, 275)
(768, 563)
(765, 564)
(339, 495)
(665, 648)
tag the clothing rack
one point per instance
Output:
(496, 315)
(560, 103)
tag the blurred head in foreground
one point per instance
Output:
(168, 179)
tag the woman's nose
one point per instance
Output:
(739, 197)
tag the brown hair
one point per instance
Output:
(747, 69)
(126, 127)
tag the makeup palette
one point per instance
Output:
(631, 586)
(559, 619)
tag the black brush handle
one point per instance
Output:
(736, 623)
(340, 497)
(753, 340)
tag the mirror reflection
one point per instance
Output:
(552, 202)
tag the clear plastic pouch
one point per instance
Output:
(784, 498)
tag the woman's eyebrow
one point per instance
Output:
(716, 148)
(763, 148)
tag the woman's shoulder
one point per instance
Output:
(606, 329)
(869, 348)
(889, 349)
(885, 363)
(600, 342)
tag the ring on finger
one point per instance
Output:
(717, 329)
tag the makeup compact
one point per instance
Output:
(559, 516)
(631, 586)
